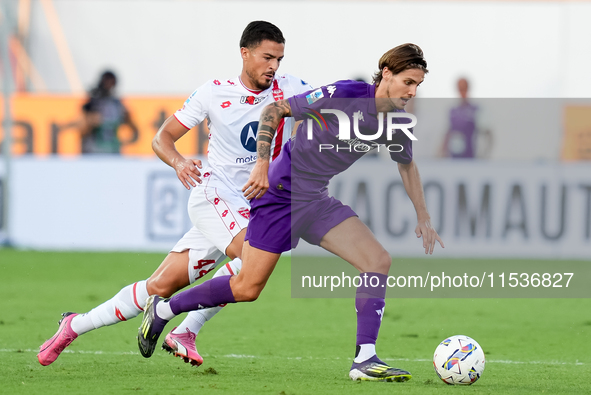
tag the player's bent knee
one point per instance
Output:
(382, 262)
(160, 288)
(250, 296)
(246, 293)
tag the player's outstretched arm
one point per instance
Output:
(258, 182)
(163, 145)
(414, 189)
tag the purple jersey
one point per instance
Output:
(297, 204)
(311, 167)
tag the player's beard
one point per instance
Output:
(258, 85)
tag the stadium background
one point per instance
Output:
(530, 198)
(529, 50)
(163, 50)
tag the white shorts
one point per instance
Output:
(203, 255)
(218, 214)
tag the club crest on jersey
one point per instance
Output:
(277, 92)
(252, 100)
(245, 212)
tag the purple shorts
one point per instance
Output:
(277, 223)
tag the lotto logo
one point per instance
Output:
(216, 82)
(225, 213)
(232, 225)
(216, 201)
(226, 104)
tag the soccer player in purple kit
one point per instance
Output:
(297, 204)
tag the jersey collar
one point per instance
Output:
(250, 90)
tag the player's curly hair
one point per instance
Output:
(257, 31)
(403, 57)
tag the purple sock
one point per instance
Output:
(211, 293)
(369, 303)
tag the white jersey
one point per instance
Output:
(233, 113)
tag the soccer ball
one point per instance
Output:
(459, 360)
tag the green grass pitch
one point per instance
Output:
(277, 345)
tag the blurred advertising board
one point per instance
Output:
(480, 209)
(45, 124)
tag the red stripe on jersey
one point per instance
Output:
(250, 90)
(229, 268)
(135, 297)
(181, 122)
(279, 139)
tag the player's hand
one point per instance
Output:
(187, 172)
(258, 182)
(425, 230)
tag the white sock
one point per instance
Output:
(366, 352)
(196, 319)
(163, 310)
(128, 303)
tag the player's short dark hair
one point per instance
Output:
(257, 31)
(403, 57)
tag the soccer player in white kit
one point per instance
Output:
(217, 208)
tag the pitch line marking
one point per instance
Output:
(500, 361)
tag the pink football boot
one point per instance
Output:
(183, 346)
(52, 348)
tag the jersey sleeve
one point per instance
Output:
(401, 145)
(405, 155)
(311, 99)
(196, 107)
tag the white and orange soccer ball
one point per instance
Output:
(459, 359)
